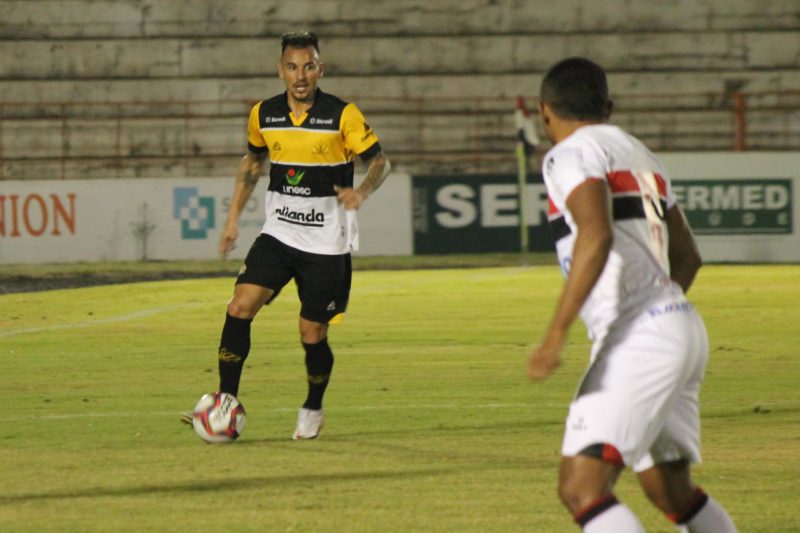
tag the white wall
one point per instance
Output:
(97, 220)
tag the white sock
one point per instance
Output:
(616, 519)
(712, 518)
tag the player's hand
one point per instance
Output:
(350, 198)
(227, 241)
(546, 357)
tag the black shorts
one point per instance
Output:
(323, 281)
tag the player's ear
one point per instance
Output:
(609, 108)
(321, 69)
(544, 112)
(280, 70)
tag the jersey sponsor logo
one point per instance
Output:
(269, 120)
(276, 147)
(323, 121)
(293, 177)
(295, 190)
(311, 218)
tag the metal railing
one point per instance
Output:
(64, 140)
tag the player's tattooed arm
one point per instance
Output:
(378, 170)
(250, 168)
(247, 175)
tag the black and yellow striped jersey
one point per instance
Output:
(308, 156)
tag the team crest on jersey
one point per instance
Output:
(293, 177)
(276, 147)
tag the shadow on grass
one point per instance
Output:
(216, 485)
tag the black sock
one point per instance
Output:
(319, 363)
(233, 350)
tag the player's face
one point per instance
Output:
(300, 68)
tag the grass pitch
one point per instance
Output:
(431, 424)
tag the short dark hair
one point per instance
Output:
(576, 89)
(299, 39)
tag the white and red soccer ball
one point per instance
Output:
(218, 418)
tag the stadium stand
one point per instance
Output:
(98, 88)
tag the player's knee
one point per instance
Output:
(570, 495)
(240, 309)
(589, 476)
(575, 489)
(668, 486)
(660, 499)
(313, 332)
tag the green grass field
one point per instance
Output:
(431, 424)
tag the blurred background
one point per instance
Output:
(129, 89)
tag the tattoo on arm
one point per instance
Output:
(379, 168)
(250, 169)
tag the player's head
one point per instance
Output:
(300, 66)
(575, 89)
(299, 39)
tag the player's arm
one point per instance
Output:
(247, 175)
(588, 203)
(684, 257)
(377, 171)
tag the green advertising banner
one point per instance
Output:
(477, 213)
(736, 206)
(480, 213)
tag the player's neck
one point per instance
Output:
(564, 128)
(300, 107)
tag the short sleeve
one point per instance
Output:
(255, 141)
(569, 167)
(358, 135)
(671, 199)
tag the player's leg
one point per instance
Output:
(586, 485)
(265, 271)
(670, 488)
(234, 345)
(618, 412)
(323, 283)
(318, 359)
(664, 473)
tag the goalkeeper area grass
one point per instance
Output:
(431, 424)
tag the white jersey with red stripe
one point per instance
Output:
(636, 274)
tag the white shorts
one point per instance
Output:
(641, 392)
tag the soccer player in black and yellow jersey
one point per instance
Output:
(310, 140)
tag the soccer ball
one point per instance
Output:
(218, 417)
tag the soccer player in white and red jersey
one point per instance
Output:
(629, 257)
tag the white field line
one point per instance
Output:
(134, 414)
(90, 323)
